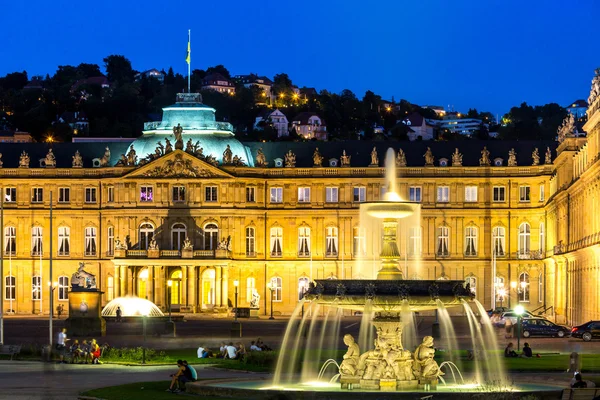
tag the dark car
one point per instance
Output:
(542, 327)
(497, 310)
(587, 331)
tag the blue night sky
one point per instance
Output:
(485, 54)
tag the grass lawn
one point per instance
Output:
(141, 390)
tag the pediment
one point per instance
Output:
(178, 164)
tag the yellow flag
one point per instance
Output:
(187, 58)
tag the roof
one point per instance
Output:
(215, 77)
(303, 117)
(578, 103)
(267, 112)
(415, 119)
(34, 84)
(311, 92)
(253, 78)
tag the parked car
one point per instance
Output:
(497, 310)
(512, 316)
(542, 327)
(587, 331)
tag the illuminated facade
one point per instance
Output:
(205, 211)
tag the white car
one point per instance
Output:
(512, 316)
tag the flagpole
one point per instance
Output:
(190, 59)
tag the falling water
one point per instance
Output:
(365, 335)
(283, 352)
(449, 335)
(491, 343)
(306, 360)
(294, 356)
(474, 340)
(326, 346)
(409, 328)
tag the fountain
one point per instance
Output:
(131, 306)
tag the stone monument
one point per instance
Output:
(85, 305)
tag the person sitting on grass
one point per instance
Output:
(222, 350)
(254, 347)
(263, 347)
(527, 352)
(193, 371)
(75, 351)
(509, 351)
(240, 352)
(579, 382)
(175, 381)
(231, 351)
(95, 352)
(85, 351)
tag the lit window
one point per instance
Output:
(524, 239)
(10, 195)
(111, 194)
(276, 241)
(64, 241)
(250, 241)
(90, 241)
(523, 288)
(250, 195)
(414, 193)
(542, 238)
(90, 195)
(276, 195)
(331, 195)
(359, 247)
(63, 288)
(178, 194)
(471, 194)
(331, 242)
(10, 288)
(303, 285)
(541, 288)
(359, 194)
(10, 240)
(499, 239)
(499, 194)
(524, 194)
(36, 287)
(37, 195)
(64, 195)
(471, 241)
(276, 286)
(303, 195)
(146, 194)
(443, 194)
(414, 241)
(210, 194)
(304, 242)
(111, 240)
(36, 241)
(443, 241)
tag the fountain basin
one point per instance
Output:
(390, 209)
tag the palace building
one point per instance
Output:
(188, 205)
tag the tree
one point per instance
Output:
(118, 69)
(219, 69)
(88, 70)
(170, 78)
(15, 80)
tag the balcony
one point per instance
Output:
(194, 254)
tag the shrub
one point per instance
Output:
(261, 358)
(134, 354)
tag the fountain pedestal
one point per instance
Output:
(389, 252)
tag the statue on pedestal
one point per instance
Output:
(131, 156)
(261, 160)
(227, 155)
(255, 302)
(456, 158)
(350, 363)
(177, 132)
(237, 160)
(77, 160)
(535, 157)
(187, 245)
(317, 158)
(168, 146)
(548, 159)
(567, 128)
(122, 162)
(424, 365)
(224, 244)
(50, 160)
(400, 158)
(374, 157)
(484, 161)
(82, 279)
(120, 245)
(290, 159)
(105, 158)
(153, 245)
(345, 159)
(512, 158)
(189, 146)
(24, 160)
(429, 159)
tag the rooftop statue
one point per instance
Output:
(105, 158)
(317, 158)
(187, 245)
(400, 158)
(535, 157)
(237, 160)
(428, 158)
(512, 158)
(261, 160)
(24, 160)
(456, 158)
(189, 146)
(290, 159)
(345, 159)
(122, 162)
(374, 157)
(595, 89)
(1, 162)
(168, 146)
(212, 160)
(120, 245)
(77, 160)
(131, 156)
(548, 159)
(50, 160)
(178, 133)
(567, 129)
(82, 279)
(159, 150)
(485, 157)
(227, 155)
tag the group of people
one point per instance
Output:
(232, 351)
(185, 373)
(84, 352)
(510, 352)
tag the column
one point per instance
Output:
(191, 284)
(129, 281)
(159, 284)
(184, 285)
(117, 282)
(224, 285)
(123, 281)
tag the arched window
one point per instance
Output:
(36, 287)
(524, 239)
(359, 245)
(10, 241)
(472, 282)
(331, 242)
(146, 235)
(90, 241)
(178, 235)
(443, 241)
(303, 283)
(250, 288)
(542, 238)
(523, 287)
(211, 236)
(10, 288)
(64, 240)
(250, 241)
(499, 240)
(500, 290)
(414, 241)
(275, 286)
(276, 241)
(303, 242)
(36, 241)
(176, 277)
(471, 241)
(63, 288)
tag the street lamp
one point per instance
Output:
(271, 287)
(501, 294)
(519, 310)
(169, 286)
(236, 284)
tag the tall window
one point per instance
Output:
(470, 241)
(443, 194)
(10, 195)
(250, 287)
(276, 195)
(524, 239)
(541, 288)
(110, 194)
(250, 241)
(303, 283)
(331, 195)
(211, 236)
(110, 246)
(63, 288)
(471, 194)
(64, 195)
(542, 192)
(304, 242)
(251, 194)
(146, 235)
(414, 193)
(414, 241)
(524, 287)
(524, 194)
(276, 286)
(90, 241)
(499, 194)
(500, 290)
(499, 240)
(90, 195)
(110, 288)
(36, 287)
(64, 240)
(303, 195)
(146, 194)
(37, 195)
(443, 241)
(36, 241)
(359, 194)
(472, 282)
(276, 241)
(542, 238)
(178, 234)
(210, 194)
(331, 241)
(178, 194)
(10, 240)
(359, 247)
(10, 288)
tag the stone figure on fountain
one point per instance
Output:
(350, 363)
(428, 158)
(400, 158)
(424, 365)
(374, 157)
(82, 279)
(345, 159)
(317, 158)
(456, 158)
